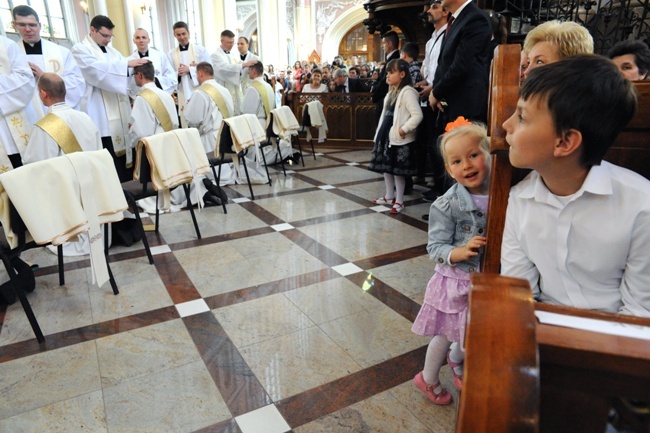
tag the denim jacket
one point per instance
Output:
(454, 219)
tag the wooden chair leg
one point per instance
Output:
(191, 208)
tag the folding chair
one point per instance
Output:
(307, 124)
(64, 190)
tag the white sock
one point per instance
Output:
(400, 184)
(435, 357)
(457, 356)
(389, 179)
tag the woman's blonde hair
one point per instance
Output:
(476, 130)
(568, 37)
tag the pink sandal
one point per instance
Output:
(458, 380)
(442, 398)
(397, 208)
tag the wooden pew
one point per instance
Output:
(580, 372)
(501, 391)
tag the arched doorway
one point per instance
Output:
(357, 42)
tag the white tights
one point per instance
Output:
(395, 187)
(435, 358)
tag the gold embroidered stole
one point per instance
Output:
(60, 132)
(16, 122)
(218, 99)
(158, 108)
(264, 95)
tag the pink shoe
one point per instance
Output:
(442, 398)
(384, 200)
(458, 380)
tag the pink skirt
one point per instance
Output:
(444, 311)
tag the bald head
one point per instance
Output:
(51, 89)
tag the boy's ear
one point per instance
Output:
(570, 142)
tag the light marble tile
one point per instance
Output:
(326, 187)
(355, 155)
(144, 351)
(218, 268)
(241, 199)
(409, 277)
(39, 380)
(84, 413)
(296, 362)
(266, 419)
(374, 335)
(236, 220)
(160, 249)
(438, 419)
(416, 211)
(141, 289)
(365, 236)
(347, 269)
(303, 206)
(261, 319)
(335, 175)
(367, 190)
(59, 314)
(381, 413)
(380, 208)
(282, 227)
(190, 308)
(178, 227)
(178, 400)
(331, 299)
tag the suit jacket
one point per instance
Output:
(355, 85)
(381, 89)
(462, 76)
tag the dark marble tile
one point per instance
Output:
(332, 217)
(321, 252)
(270, 288)
(261, 213)
(393, 257)
(398, 302)
(418, 223)
(238, 385)
(87, 333)
(220, 238)
(178, 284)
(350, 196)
(331, 397)
(228, 426)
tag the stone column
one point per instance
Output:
(218, 15)
(271, 31)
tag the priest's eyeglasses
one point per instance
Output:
(105, 36)
(30, 25)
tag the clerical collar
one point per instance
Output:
(146, 54)
(33, 49)
(243, 56)
(227, 52)
(184, 48)
(101, 47)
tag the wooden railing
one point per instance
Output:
(350, 116)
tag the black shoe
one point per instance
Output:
(408, 187)
(211, 200)
(215, 190)
(425, 217)
(430, 195)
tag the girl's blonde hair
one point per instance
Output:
(476, 130)
(398, 65)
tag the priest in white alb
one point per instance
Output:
(106, 72)
(166, 78)
(228, 68)
(45, 56)
(184, 59)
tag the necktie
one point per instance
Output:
(451, 20)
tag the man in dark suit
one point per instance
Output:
(390, 45)
(460, 85)
(347, 85)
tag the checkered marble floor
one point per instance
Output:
(292, 313)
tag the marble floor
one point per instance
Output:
(291, 314)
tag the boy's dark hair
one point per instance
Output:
(393, 37)
(227, 34)
(24, 11)
(147, 70)
(258, 67)
(100, 21)
(181, 25)
(206, 68)
(585, 92)
(411, 49)
(639, 49)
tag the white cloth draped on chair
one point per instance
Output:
(245, 131)
(61, 197)
(318, 120)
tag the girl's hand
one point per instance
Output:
(402, 133)
(469, 251)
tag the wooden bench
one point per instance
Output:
(580, 372)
